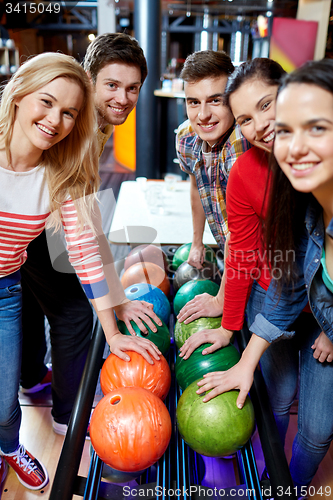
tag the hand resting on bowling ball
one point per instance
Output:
(218, 337)
(120, 343)
(202, 306)
(137, 311)
(197, 255)
(240, 376)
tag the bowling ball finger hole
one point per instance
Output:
(133, 290)
(115, 400)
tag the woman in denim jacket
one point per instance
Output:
(302, 190)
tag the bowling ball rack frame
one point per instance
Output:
(179, 469)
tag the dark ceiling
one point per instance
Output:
(238, 7)
(246, 8)
(81, 14)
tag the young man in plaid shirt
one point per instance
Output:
(207, 145)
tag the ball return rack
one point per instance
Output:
(178, 473)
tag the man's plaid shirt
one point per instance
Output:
(212, 191)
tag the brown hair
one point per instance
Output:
(114, 48)
(260, 68)
(206, 64)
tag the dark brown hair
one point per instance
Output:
(114, 48)
(260, 68)
(206, 64)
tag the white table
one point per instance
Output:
(133, 222)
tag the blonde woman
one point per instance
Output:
(49, 172)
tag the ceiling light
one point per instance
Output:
(124, 22)
(188, 8)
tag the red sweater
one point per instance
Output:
(246, 200)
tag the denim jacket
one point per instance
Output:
(278, 314)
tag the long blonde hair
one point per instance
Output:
(71, 166)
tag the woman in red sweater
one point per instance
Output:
(250, 93)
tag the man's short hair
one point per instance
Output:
(114, 48)
(206, 64)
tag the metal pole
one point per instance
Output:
(106, 17)
(147, 28)
(70, 458)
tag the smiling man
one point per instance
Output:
(117, 68)
(208, 144)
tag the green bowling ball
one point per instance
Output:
(181, 255)
(161, 338)
(216, 428)
(182, 331)
(192, 288)
(194, 368)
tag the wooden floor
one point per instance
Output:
(39, 438)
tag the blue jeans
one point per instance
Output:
(61, 298)
(287, 365)
(10, 365)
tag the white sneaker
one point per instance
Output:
(62, 429)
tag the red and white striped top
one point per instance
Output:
(24, 209)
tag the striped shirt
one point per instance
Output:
(24, 210)
(211, 171)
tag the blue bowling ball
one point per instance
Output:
(153, 295)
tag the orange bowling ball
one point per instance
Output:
(147, 253)
(137, 372)
(130, 429)
(146, 272)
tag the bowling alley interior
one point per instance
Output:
(139, 429)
